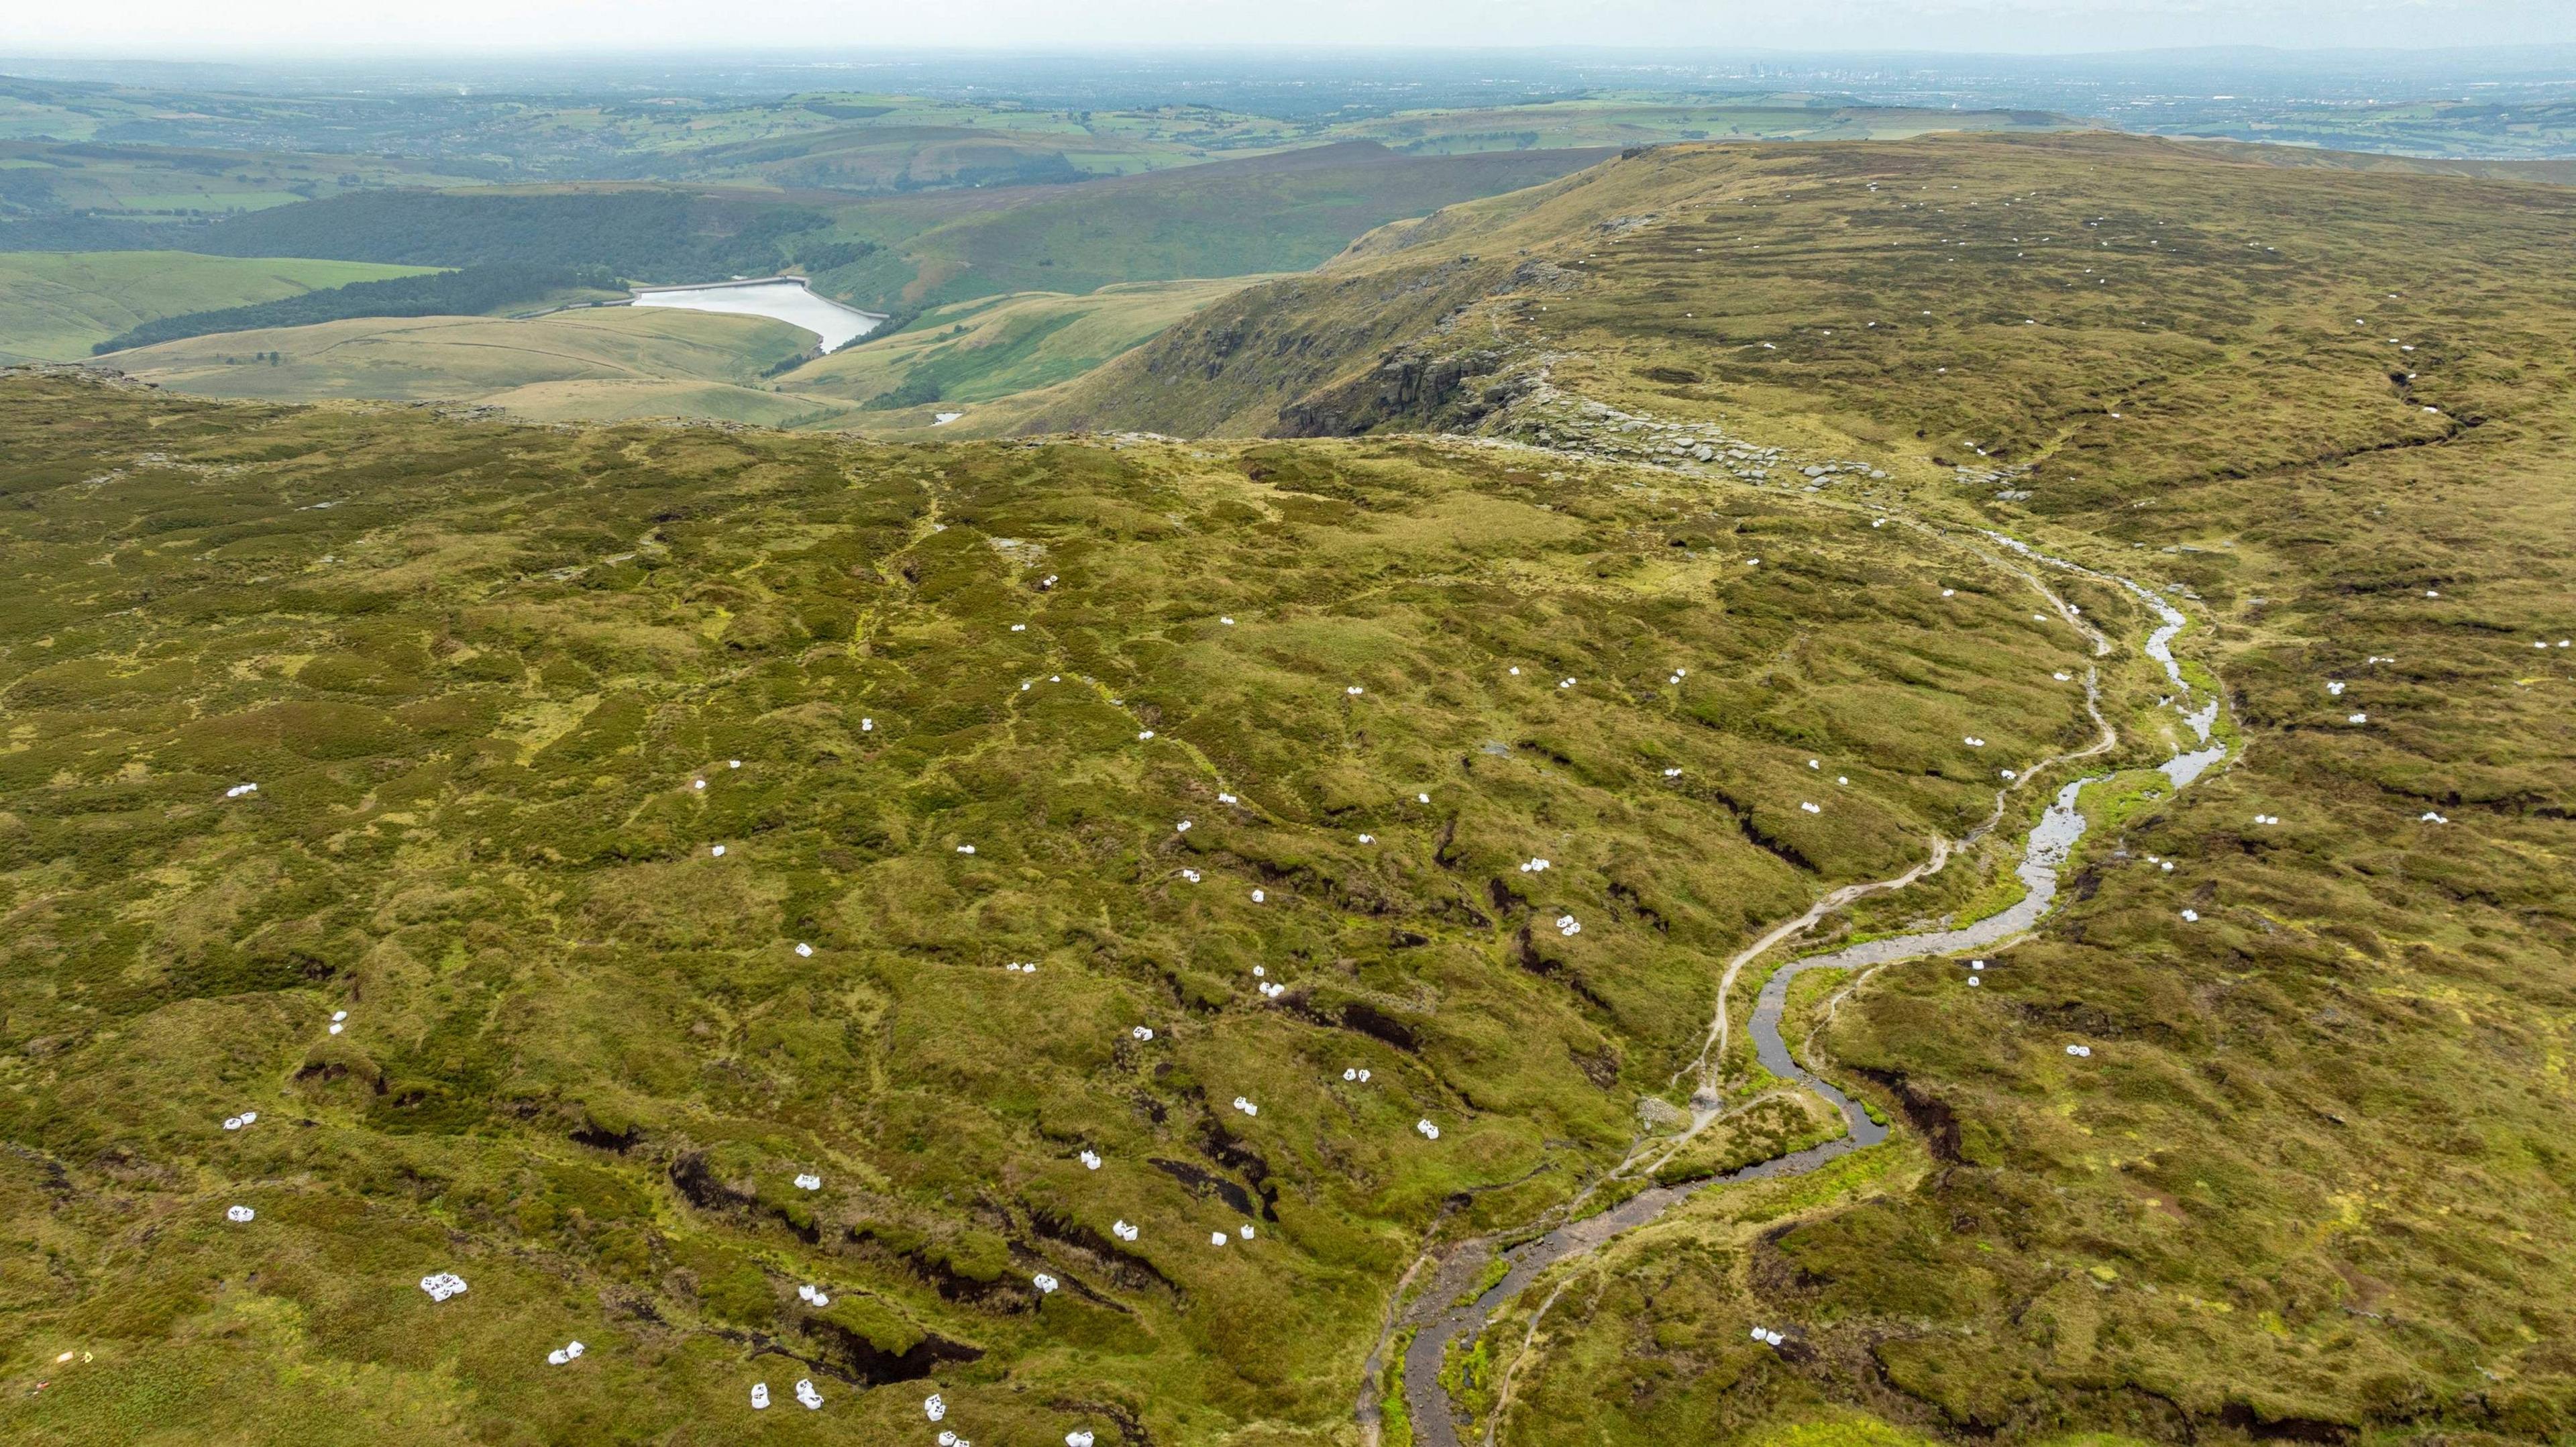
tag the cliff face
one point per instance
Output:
(1277, 359)
(1383, 336)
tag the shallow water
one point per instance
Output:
(2183, 768)
(780, 299)
(2050, 841)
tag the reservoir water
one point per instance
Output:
(780, 298)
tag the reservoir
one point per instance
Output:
(782, 298)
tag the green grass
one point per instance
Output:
(167, 183)
(56, 305)
(583, 1060)
(1840, 1429)
(1766, 1129)
(1189, 222)
(595, 362)
(2306, 1181)
(983, 351)
(2310, 1182)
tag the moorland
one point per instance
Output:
(1107, 928)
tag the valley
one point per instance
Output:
(1613, 769)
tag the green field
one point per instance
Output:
(998, 348)
(591, 362)
(615, 363)
(55, 306)
(167, 183)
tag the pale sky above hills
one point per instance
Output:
(233, 28)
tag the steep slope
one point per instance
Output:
(1238, 217)
(1919, 286)
(2306, 1183)
(997, 348)
(1243, 747)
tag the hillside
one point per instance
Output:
(1194, 222)
(1008, 347)
(968, 879)
(1865, 286)
(505, 290)
(44, 181)
(604, 362)
(56, 306)
(490, 683)
(618, 363)
(2306, 1195)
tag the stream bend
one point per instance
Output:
(2051, 839)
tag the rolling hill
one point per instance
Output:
(56, 306)
(616, 363)
(1276, 908)
(663, 806)
(2328, 406)
(1167, 225)
(997, 348)
(601, 362)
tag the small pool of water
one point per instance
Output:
(779, 298)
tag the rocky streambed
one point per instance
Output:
(1441, 1314)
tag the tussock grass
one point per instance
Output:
(2305, 1183)
(476, 670)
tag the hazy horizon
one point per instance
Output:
(168, 30)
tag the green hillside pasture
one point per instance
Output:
(472, 358)
(56, 305)
(1282, 212)
(979, 351)
(149, 182)
(902, 157)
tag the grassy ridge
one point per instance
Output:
(650, 234)
(941, 248)
(2304, 1185)
(1686, 262)
(56, 306)
(477, 671)
(993, 348)
(615, 363)
(448, 293)
(472, 358)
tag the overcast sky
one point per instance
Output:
(236, 28)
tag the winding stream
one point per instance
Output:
(1438, 1314)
